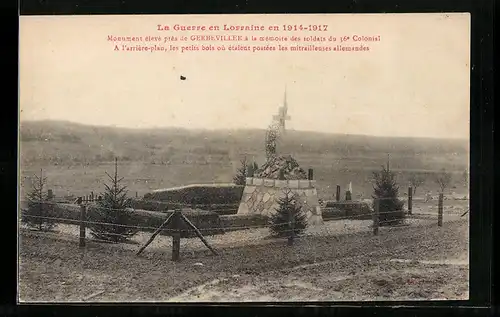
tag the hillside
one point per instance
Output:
(174, 156)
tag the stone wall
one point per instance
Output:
(260, 196)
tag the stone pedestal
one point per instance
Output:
(260, 196)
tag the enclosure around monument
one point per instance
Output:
(261, 195)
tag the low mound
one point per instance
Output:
(152, 205)
(199, 194)
(356, 210)
(155, 205)
(281, 166)
(148, 221)
(242, 222)
(207, 222)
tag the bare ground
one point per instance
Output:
(356, 266)
(255, 236)
(380, 281)
(252, 236)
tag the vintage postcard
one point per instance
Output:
(244, 158)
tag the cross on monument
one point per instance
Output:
(282, 116)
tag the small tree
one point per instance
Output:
(289, 209)
(443, 179)
(110, 216)
(39, 212)
(416, 180)
(241, 173)
(385, 190)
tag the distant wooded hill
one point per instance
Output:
(67, 143)
(75, 157)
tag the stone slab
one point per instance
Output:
(258, 181)
(243, 209)
(269, 182)
(304, 183)
(266, 197)
(248, 189)
(293, 184)
(280, 183)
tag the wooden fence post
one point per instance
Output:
(250, 170)
(198, 233)
(176, 236)
(50, 194)
(376, 216)
(91, 196)
(310, 174)
(337, 194)
(348, 195)
(291, 227)
(157, 231)
(83, 217)
(410, 198)
(440, 210)
(281, 175)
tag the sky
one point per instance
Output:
(413, 82)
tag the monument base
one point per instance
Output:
(261, 195)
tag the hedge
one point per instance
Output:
(150, 220)
(70, 214)
(152, 205)
(227, 209)
(207, 222)
(199, 194)
(347, 209)
(242, 222)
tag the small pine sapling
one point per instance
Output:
(385, 190)
(110, 218)
(241, 173)
(289, 213)
(39, 211)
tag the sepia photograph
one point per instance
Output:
(244, 158)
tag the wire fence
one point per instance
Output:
(286, 229)
(78, 220)
(88, 222)
(193, 247)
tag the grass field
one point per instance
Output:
(75, 157)
(415, 262)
